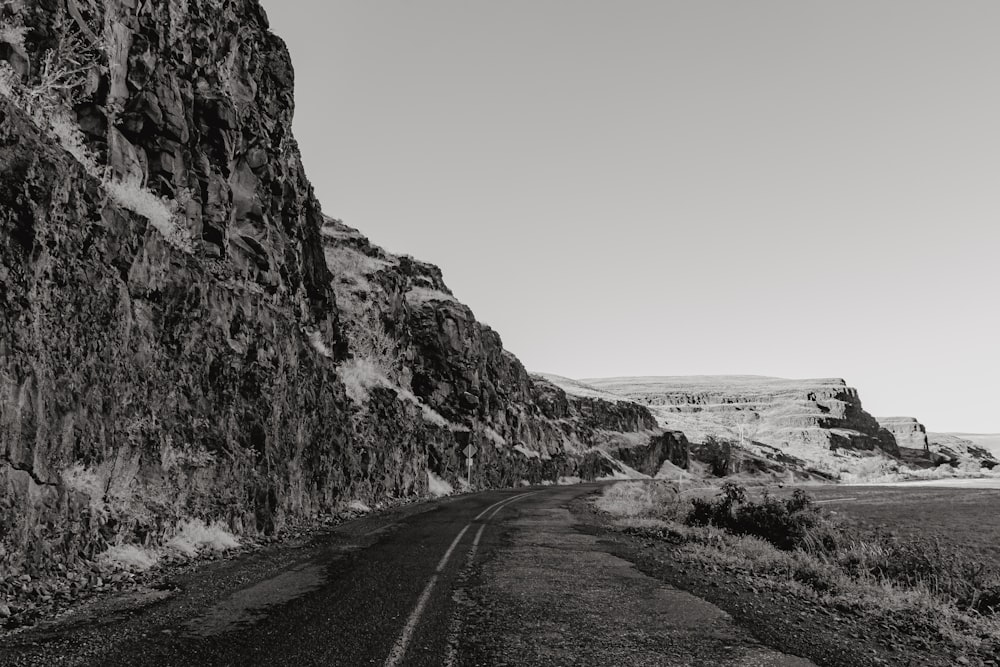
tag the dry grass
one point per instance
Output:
(194, 536)
(438, 487)
(915, 581)
(632, 500)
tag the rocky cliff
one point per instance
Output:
(907, 432)
(798, 416)
(182, 332)
(964, 449)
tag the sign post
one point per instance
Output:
(469, 451)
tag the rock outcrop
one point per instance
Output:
(182, 332)
(670, 447)
(794, 415)
(907, 432)
(964, 449)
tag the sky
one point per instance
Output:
(652, 187)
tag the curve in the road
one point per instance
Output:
(398, 651)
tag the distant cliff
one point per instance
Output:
(907, 431)
(183, 334)
(953, 449)
(964, 449)
(803, 416)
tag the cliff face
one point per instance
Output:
(182, 333)
(808, 414)
(907, 431)
(671, 447)
(141, 383)
(963, 449)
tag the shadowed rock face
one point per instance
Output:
(824, 414)
(141, 385)
(671, 446)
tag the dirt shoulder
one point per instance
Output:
(777, 618)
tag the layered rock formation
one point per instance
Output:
(907, 432)
(792, 415)
(184, 335)
(960, 449)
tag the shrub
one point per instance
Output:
(719, 455)
(784, 523)
(718, 512)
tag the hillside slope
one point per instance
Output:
(183, 335)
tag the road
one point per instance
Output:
(496, 578)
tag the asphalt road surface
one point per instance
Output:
(495, 578)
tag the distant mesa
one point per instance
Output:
(811, 415)
(818, 423)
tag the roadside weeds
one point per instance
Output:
(792, 599)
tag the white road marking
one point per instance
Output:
(502, 502)
(833, 500)
(475, 542)
(399, 648)
(454, 543)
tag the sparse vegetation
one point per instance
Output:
(359, 377)
(919, 580)
(371, 342)
(48, 99)
(438, 487)
(649, 500)
(418, 296)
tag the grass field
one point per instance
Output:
(968, 519)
